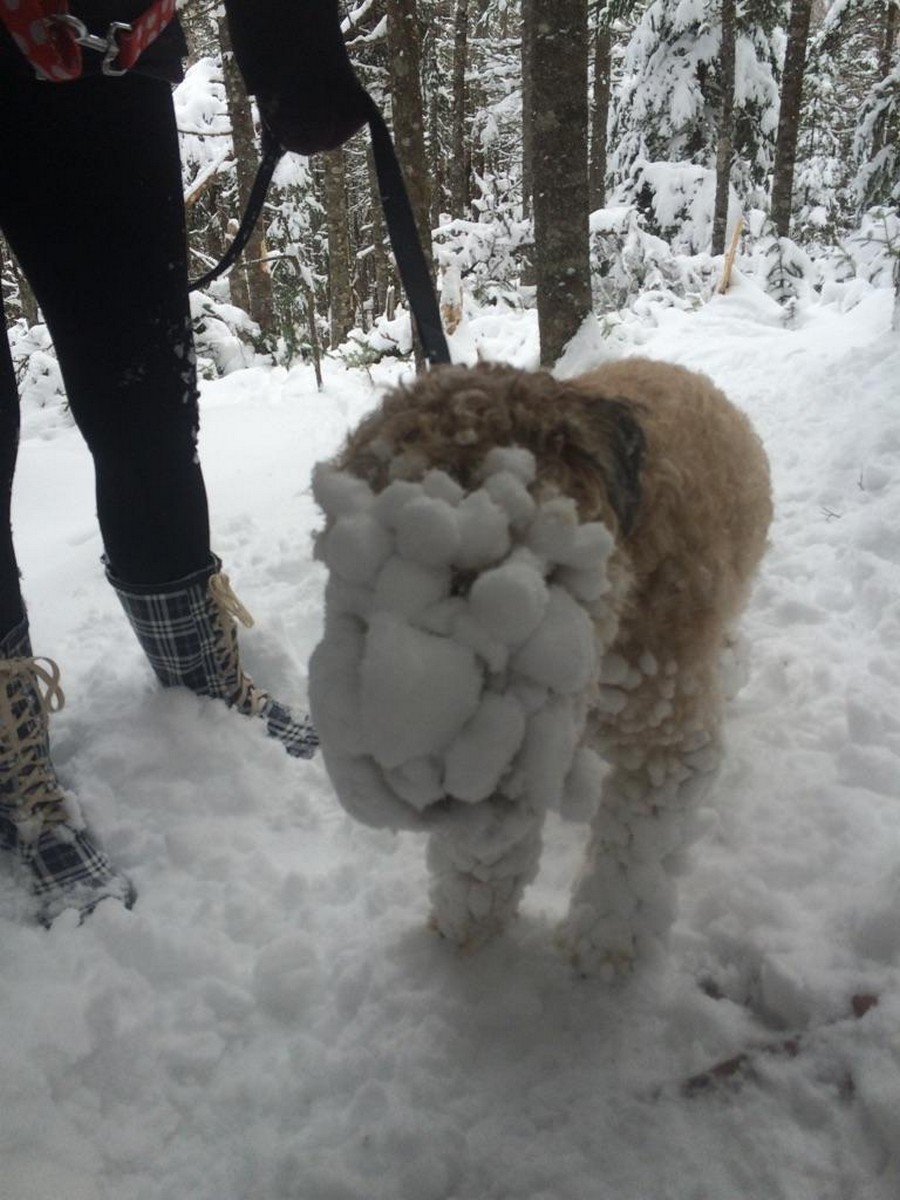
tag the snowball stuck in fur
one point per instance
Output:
(428, 531)
(407, 588)
(509, 601)
(510, 493)
(388, 504)
(440, 485)
(339, 493)
(562, 652)
(515, 459)
(485, 748)
(484, 532)
(416, 690)
(356, 547)
(581, 791)
(552, 532)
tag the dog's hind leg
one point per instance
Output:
(479, 865)
(624, 901)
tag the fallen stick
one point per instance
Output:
(725, 281)
(742, 1066)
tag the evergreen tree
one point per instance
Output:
(669, 101)
(848, 132)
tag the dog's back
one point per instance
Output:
(705, 505)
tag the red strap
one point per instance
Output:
(144, 29)
(49, 47)
(53, 49)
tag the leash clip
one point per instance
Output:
(108, 46)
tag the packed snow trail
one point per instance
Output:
(274, 1021)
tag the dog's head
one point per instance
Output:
(587, 446)
(471, 522)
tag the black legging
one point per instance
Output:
(91, 203)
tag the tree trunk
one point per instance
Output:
(885, 64)
(725, 147)
(889, 39)
(600, 114)
(338, 222)
(409, 120)
(789, 115)
(557, 36)
(527, 110)
(459, 166)
(250, 282)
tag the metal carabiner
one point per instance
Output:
(107, 46)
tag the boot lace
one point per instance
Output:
(29, 691)
(248, 698)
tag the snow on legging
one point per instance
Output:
(91, 204)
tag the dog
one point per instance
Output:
(572, 658)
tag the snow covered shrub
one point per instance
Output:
(874, 248)
(490, 252)
(221, 334)
(790, 276)
(34, 359)
(389, 337)
(628, 263)
(489, 255)
(675, 201)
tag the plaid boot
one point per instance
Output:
(38, 821)
(189, 633)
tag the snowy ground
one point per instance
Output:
(274, 1021)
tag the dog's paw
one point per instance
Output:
(605, 949)
(467, 937)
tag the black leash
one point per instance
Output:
(401, 227)
(408, 253)
(269, 160)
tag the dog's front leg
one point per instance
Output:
(624, 901)
(479, 866)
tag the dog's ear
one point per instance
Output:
(617, 447)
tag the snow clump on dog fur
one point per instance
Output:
(459, 649)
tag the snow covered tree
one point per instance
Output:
(849, 129)
(601, 96)
(669, 101)
(877, 144)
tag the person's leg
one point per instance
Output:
(104, 176)
(94, 212)
(39, 824)
(12, 611)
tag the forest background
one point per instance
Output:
(567, 156)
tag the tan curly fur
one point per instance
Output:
(680, 478)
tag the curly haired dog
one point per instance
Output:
(680, 480)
